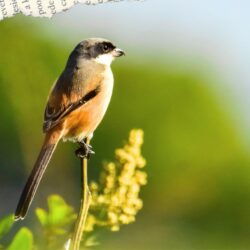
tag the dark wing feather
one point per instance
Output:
(53, 116)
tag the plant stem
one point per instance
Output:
(85, 202)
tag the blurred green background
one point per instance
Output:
(198, 192)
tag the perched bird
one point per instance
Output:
(75, 107)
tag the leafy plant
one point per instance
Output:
(23, 240)
(56, 222)
(115, 201)
(6, 224)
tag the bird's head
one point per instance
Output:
(99, 50)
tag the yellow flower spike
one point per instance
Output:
(131, 218)
(130, 211)
(93, 186)
(134, 151)
(135, 188)
(124, 219)
(110, 181)
(123, 156)
(125, 180)
(113, 218)
(90, 223)
(135, 203)
(129, 166)
(125, 177)
(110, 167)
(115, 198)
(138, 204)
(122, 190)
(101, 199)
(140, 162)
(115, 228)
(136, 137)
(132, 195)
(106, 191)
(141, 177)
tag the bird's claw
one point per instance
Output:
(84, 151)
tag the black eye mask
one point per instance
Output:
(101, 48)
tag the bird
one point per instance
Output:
(75, 107)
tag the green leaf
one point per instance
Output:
(23, 240)
(6, 224)
(91, 241)
(60, 213)
(42, 216)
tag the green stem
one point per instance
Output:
(85, 203)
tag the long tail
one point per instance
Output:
(35, 177)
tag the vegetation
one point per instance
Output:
(198, 191)
(115, 202)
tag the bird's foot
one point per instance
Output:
(85, 150)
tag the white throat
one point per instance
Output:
(105, 59)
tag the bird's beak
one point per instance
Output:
(118, 52)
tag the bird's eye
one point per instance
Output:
(105, 48)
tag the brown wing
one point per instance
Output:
(55, 113)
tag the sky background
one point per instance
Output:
(216, 31)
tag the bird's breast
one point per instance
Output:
(83, 121)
